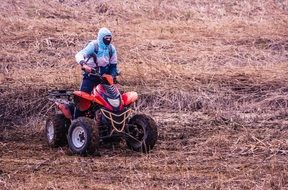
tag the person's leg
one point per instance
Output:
(86, 85)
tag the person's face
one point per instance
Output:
(107, 39)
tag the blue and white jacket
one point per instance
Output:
(106, 56)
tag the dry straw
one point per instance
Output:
(212, 73)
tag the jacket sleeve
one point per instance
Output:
(85, 53)
(113, 63)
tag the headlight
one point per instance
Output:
(114, 102)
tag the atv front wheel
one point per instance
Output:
(56, 129)
(83, 136)
(142, 133)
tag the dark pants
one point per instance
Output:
(88, 83)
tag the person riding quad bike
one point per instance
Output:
(99, 112)
(99, 54)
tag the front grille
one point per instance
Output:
(117, 121)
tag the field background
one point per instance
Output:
(212, 73)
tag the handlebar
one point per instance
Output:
(102, 78)
(95, 72)
(92, 73)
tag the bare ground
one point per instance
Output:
(193, 152)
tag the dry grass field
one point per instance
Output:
(212, 73)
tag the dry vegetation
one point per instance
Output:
(213, 73)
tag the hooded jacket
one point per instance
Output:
(106, 63)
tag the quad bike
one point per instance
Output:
(84, 120)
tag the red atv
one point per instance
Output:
(84, 120)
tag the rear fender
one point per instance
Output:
(64, 109)
(129, 98)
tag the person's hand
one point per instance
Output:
(86, 68)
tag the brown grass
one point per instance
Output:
(212, 73)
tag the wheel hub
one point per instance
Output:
(78, 137)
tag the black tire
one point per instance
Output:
(83, 136)
(56, 129)
(143, 130)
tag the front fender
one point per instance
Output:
(83, 100)
(129, 98)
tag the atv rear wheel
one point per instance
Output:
(83, 136)
(142, 133)
(56, 129)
